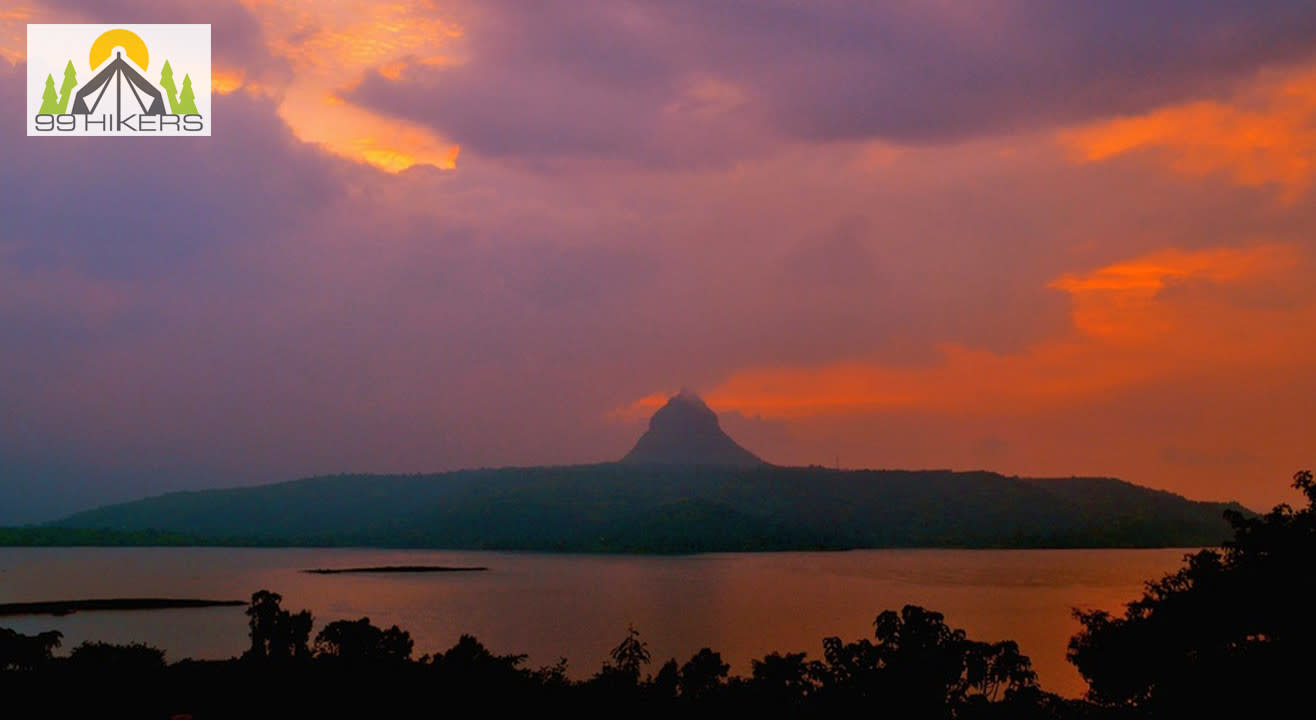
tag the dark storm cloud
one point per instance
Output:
(639, 79)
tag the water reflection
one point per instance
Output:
(579, 606)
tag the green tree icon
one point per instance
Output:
(167, 82)
(49, 100)
(66, 90)
(186, 100)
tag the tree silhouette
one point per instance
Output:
(921, 667)
(785, 679)
(171, 91)
(470, 667)
(702, 675)
(667, 683)
(1223, 635)
(49, 99)
(630, 654)
(66, 90)
(276, 634)
(358, 641)
(186, 100)
(628, 658)
(994, 670)
(27, 652)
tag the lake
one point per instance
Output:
(579, 606)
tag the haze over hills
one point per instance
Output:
(685, 487)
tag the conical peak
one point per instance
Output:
(686, 431)
(686, 409)
(689, 396)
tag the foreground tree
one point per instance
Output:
(628, 658)
(1231, 632)
(27, 652)
(276, 634)
(702, 675)
(360, 642)
(920, 667)
(785, 680)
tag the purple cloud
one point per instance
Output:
(611, 79)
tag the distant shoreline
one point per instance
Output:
(68, 607)
(619, 508)
(397, 569)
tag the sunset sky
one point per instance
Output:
(1041, 238)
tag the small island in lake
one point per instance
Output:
(68, 607)
(397, 569)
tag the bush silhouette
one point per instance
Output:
(128, 659)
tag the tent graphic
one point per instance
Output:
(126, 87)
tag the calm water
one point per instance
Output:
(578, 606)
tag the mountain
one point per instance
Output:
(685, 431)
(618, 507)
(685, 487)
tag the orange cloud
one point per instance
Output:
(330, 46)
(1172, 313)
(1266, 137)
(13, 33)
(224, 80)
(387, 155)
(1120, 300)
(394, 70)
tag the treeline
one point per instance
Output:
(1231, 634)
(915, 666)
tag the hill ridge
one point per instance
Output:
(627, 507)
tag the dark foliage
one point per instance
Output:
(920, 667)
(702, 675)
(359, 642)
(131, 659)
(27, 652)
(276, 634)
(360, 670)
(1229, 634)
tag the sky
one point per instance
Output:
(1047, 239)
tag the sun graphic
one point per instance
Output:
(132, 46)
